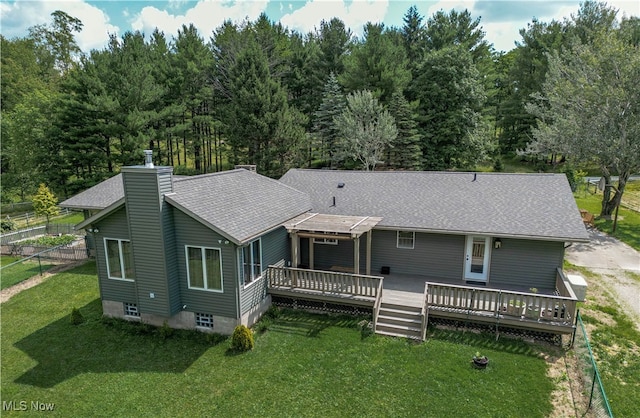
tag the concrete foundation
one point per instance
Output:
(253, 315)
(181, 320)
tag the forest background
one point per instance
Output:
(430, 95)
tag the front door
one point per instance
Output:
(477, 258)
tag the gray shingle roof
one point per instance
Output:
(499, 204)
(99, 196)
(239, 203)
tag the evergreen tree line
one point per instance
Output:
(430, 95)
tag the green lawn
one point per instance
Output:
(628, 227)
(615, 343)
(304, 365)
(22, 271)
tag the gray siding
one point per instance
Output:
(275, 247)
(143, 189)
(525, 263)
(113, 226)
(191, 232)
(436, 256)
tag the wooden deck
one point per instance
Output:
(549, 310)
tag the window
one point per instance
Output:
(204, 268)
(251, 262)
(330, 241)
(119, 259)
(204, 320)
(131, 309)
(406, 239)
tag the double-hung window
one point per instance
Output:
(119, 259)
(204, 268)
(406, 240)
(251, 262)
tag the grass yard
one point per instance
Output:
(615, 343)
(20, 272)
(304, 365)
(628, 227)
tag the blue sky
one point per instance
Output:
(501, 19)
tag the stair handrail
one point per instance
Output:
(423, 313)
(376, 306)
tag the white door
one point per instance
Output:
(477, 258)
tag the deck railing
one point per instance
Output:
(495, 302)
(324, 281)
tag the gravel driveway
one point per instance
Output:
(613, 260)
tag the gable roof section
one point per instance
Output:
(98, 197)
(238, 203)
(536, 206)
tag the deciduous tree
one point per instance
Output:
(589, 109)
(366, 129)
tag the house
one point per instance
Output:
(210, 251)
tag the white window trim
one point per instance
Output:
(106, 256)
(204, 268)
(241, 264)
(413, 240)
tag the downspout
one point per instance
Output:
(237, 284)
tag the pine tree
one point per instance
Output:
(333, 103)
(379, 64)
(45, 203)
(406, 153)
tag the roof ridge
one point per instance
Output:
(200, 176)
(405, 172)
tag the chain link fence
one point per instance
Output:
(598, 403)
(33, 261)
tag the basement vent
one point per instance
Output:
(131, 309)
(204, 320)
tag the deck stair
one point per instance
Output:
(399, 321)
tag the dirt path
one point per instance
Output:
(618, 266)
(9, 292)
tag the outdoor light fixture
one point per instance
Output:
(94, 230)
(497, 243)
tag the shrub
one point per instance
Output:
(7, 225)
(262, 325)
(498, 166)
(273, 312)
(165, 331)
(242, 339)
(76, 317)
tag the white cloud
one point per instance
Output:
(206, 16)
(18, 16)
(354, 15)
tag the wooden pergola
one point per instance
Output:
(339, 227)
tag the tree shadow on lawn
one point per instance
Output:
(99, 345)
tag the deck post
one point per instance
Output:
(356, 255)
(369, 252)
(295, 242)
(311, 253)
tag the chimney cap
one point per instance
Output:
(148, 158)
